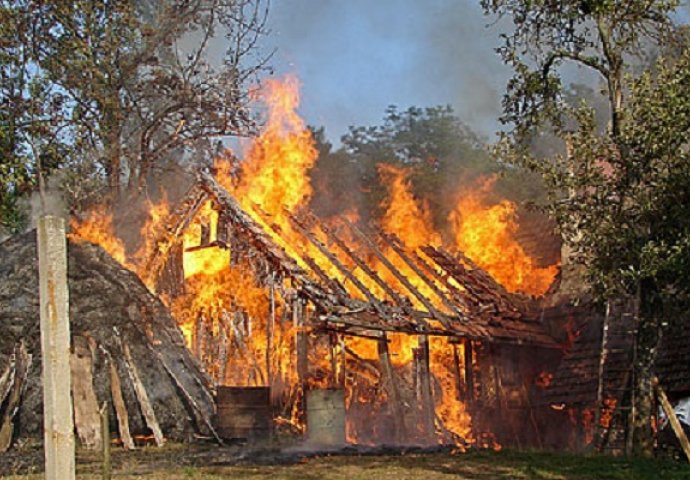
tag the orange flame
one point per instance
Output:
(97, 227)
(486, 234)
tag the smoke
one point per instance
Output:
(355, 58)
(51, 202)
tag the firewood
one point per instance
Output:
(198, 412)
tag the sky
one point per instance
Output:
(356, 57)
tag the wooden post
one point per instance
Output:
(105, 435)
(270, 326)
(672, 418)
(603, 354)
(459, 387)
(300, 342)
(58, 422)
(469, 372)
(391, 386)
(428, 409)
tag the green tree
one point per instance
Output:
(615, 193)
(31, 123)
(443, 151)
(124, 88)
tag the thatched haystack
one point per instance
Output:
(121, 334)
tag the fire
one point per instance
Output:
(486, 234)
(405, 215)
(97, 227)
(200, 254)
(453, 412)
(230, 311)
(275, 174)
(544, 379)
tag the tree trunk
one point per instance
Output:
(647, 342)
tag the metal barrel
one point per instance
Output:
(244, 413)
(326, 417)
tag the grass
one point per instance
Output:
(476, 465)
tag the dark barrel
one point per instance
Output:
(244, 413)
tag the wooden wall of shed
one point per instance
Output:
(507, 406)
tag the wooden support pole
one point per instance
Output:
(391, 386)
(298, 315)
(469, 372)
(270, 326)
(672, 418)
(120, 408)
(459, 387)
(58, 422)
(105, 434)
(603, 355)
(428, 409)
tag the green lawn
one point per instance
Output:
(173, 463)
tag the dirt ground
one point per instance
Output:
(178, 462)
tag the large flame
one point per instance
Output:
(275, 174)
(227, 301)
(485, 232)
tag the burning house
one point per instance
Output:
(415, 340)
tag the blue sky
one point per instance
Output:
(356, 57)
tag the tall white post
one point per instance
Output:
(58, 421)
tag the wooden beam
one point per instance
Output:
(395, 296)
(336, 262)
(672, 418)
(86, 413)
(120, 407)
(58, 422)
(428, 407)
(391, 386)
(469, 371)
(176, 224)
(146, 408)
(395, 244)
(396, 273)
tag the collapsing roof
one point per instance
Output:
(468, 302)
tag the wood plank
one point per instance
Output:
(392, 387)
(143, 398)
(120, 408)
(7, 379)
(672, 418)
(23, 366)
(86, 415)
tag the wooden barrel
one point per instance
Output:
(244, 413)
(326, 418)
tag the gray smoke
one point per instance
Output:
(357, 57)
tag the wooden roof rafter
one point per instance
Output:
(484, 311)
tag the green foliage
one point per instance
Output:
(439, 148)
(115, 91)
